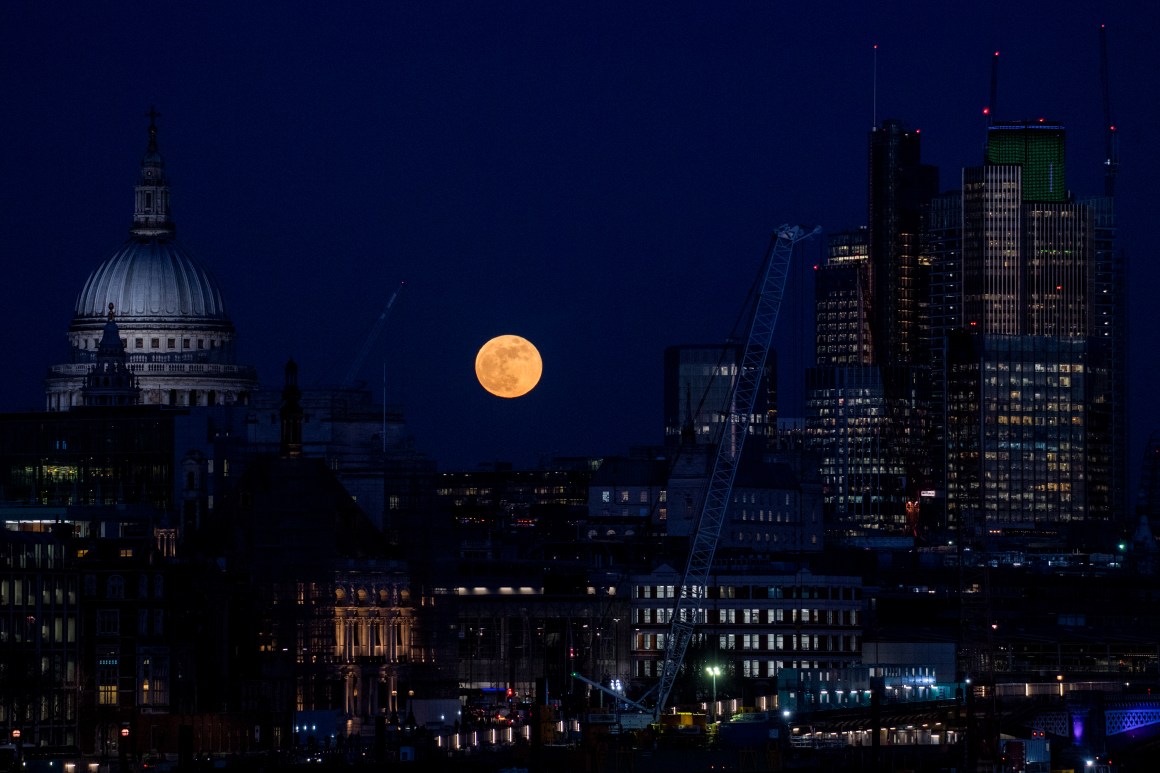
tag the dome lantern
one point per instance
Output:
(151, 196)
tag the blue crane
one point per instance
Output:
(690, 598)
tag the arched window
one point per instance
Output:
(116, 587)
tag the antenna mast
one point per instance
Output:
(989, 110)
(1111, 140)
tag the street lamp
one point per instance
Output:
(714, 671)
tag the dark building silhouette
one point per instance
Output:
(868, 395)
(322, 607)
(900, 189)
(698, 381)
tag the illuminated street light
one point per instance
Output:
(714, 671)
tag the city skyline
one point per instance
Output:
(602, 182)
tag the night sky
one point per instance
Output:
(599, 178)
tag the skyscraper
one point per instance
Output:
(842, 296)
(1024, 379)
(900, 187)
(867, 396)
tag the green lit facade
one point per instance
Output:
(1036, 147)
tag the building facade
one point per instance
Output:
(754, 623)
(698, 384)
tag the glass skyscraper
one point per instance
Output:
(1026, 420)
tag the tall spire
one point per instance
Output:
(292, 412)
(151, 195)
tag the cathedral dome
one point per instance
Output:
(154, 278)
(175, 336)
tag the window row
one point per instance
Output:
(155, 343)
(789, 642)
(115, 583)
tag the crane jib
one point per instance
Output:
(720, 484)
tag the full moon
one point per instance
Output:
(508, 366)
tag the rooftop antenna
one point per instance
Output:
(874, 92)
(1112, 149)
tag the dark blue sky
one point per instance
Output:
(600, 178)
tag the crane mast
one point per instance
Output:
(688, 606)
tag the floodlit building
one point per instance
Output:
(179, 340)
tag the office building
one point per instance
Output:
(698, 385)
(1045, 430)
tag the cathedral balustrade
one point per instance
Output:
(168, 368)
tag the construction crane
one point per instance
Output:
(369, 341)
(691, 595)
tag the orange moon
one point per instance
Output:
(508, 366)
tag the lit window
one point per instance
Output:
(107, 675)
